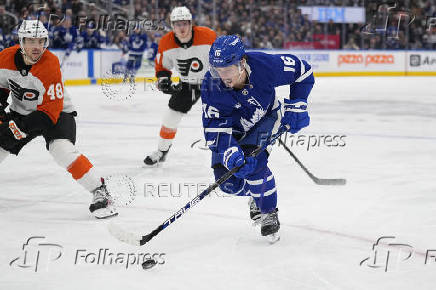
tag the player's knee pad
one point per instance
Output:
(63, 152)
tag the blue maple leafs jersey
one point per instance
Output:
(229, 114)
(137, 43)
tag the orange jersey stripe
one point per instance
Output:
(167, 133)
(79, 167)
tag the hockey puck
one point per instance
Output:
(148, 264)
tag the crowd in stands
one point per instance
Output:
(260, 23)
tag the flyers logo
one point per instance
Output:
(22, 93)
(192, 64)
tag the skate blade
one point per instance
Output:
(104, 213)
(155, 165)
(273, 238)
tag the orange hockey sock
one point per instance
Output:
(79, 167)
(167, 133)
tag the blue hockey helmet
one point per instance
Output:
(226, 50)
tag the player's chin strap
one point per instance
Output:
(139, 239)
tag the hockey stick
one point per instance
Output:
(64, 58)
(139, 240)
(319, 181)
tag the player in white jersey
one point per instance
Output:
(31, 76)
(186, 50)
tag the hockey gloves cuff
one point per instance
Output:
(234, 157)
(295, 116)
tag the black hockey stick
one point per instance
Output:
(320, 181)
(139, 240)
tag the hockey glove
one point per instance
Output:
(234, 157)
(295, 116)
(10, 134)
(166, 86)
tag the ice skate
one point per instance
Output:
(270, 226)
(156, 157)
(101, 206)
(255, 214)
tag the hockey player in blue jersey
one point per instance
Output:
(241, 110)
(137, 46)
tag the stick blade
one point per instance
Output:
(124, 236)
(330, 181)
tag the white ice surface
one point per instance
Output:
(388, 161)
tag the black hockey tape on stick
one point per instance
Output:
(139, 239)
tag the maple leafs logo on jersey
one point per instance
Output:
(192, 64)
(254, 102)
(22, 93)
(257, 115)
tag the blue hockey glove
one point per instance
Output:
(295, 116)
(234, 157)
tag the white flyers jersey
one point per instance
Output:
(190, 60)
(40, 89)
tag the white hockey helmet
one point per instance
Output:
(180, 13)
(32, 29)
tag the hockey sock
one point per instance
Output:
(168, 130)
(81, 169)
(263, 191)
